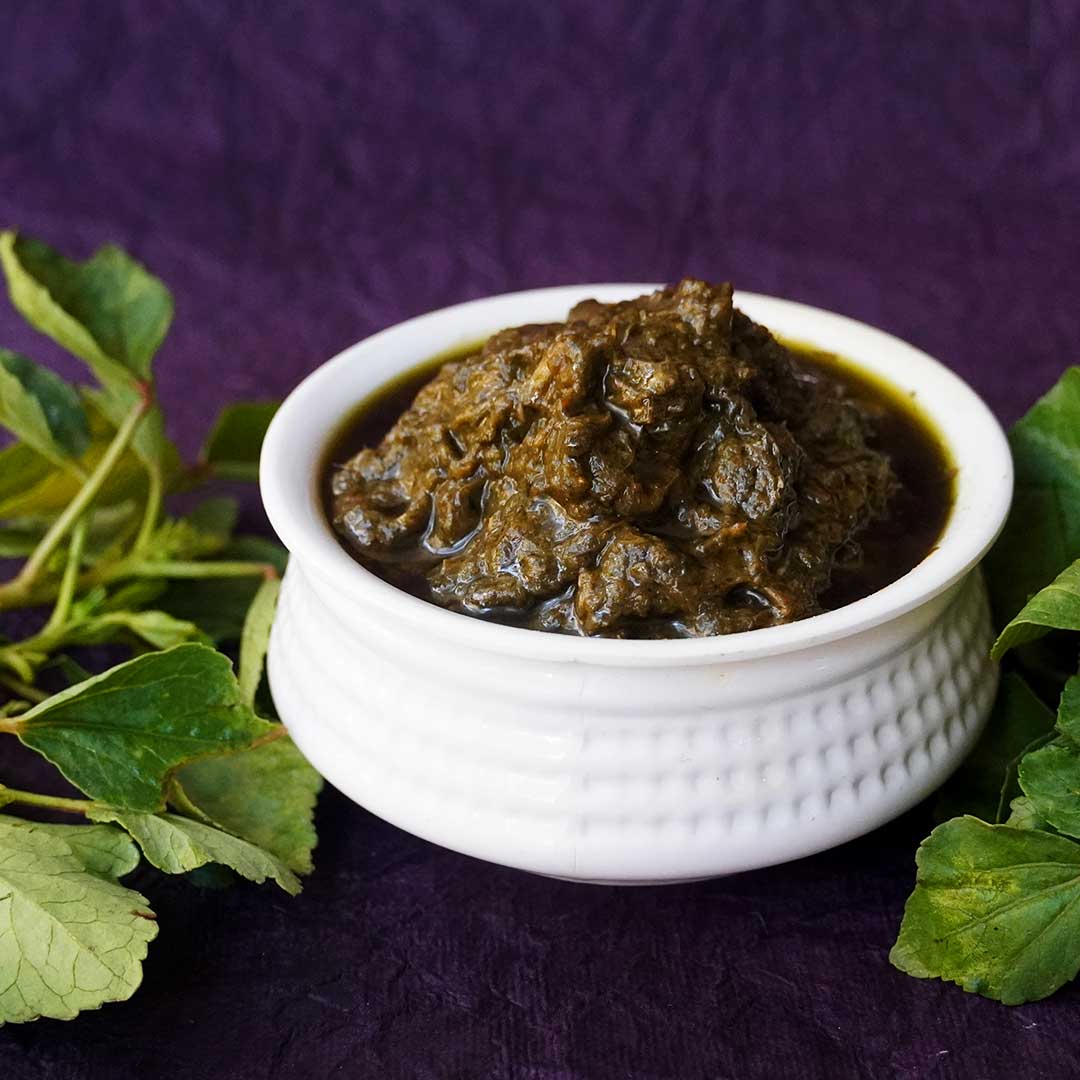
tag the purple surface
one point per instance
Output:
(302, 175)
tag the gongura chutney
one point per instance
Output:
(661, 467)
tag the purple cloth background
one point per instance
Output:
(304, 174)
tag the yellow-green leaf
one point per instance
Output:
(995, 909)
(255, 638)
(70, 938)
(156, 628)
(177, 844)
(31, 486)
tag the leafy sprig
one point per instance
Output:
(167, 746)
(996, 906)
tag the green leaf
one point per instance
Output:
(995, 910)
(70, 938)
(235, 443)
(108, 310)
(149, 443)
(1050, 778)
(1057, 607)
(219, 608)
(255, 638)
(133, 595)
(22, 469)
(1024, 815)
(119, 735)
(180, 539)
(257, 549)
(986, 781)
(177, 844)
(156, 628)
(41, 409)
(216, 517)
(266, 795)
(205, 531)
(1042, 534)
(1068, 720)
(102, 849)
(32, 487)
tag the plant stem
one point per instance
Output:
(15, 661)
(280, 731)
(173, 569)
(152, 510)
(24, 690)
(16, 590)
(46, 802)
(68, 583)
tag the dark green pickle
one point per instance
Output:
(658, 468)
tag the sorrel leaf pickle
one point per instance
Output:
(662, 467)
(71, 937)
(119, 735)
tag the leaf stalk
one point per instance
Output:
(16, 590)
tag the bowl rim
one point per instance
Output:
(293, 451)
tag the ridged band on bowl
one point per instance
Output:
(731, 775)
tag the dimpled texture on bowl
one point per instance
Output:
(708, 779)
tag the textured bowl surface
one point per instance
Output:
(631, 761)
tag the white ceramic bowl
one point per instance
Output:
(630, 761)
